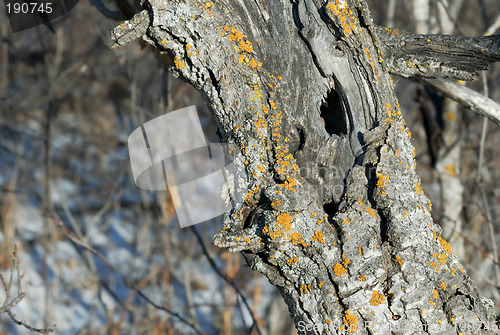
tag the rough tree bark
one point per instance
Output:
(335, 216)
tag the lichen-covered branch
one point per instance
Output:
(438, 56)
(333, 214)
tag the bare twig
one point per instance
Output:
(226, 278)
(110, 14)
(9, 304)
(74, 238)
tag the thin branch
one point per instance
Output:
(8, 305)
(72, 236)
(225, 277)
(466, 97)
(29, 327)
(110, 14)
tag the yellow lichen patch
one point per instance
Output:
(362, 278)
(435, 265)
(305, 288)
(293, 260)
(285, 221)
(399, 261)
(280, 78)
(450, 116)
(350, 321)
(339, 270)
(382, 181)
(360, 250)
(377, 298)
(417, 188)
(237, 36)
(251, 193)
(442, 258)
(370, 211)
(345, 15)
(445, 245)
(295, 237)
(318, 237)
(272, 104)
(450, 169)
(289, 184)
(246, 46)
(434, 298)
(179, 64)
(276, 203)
(321, 284)
(163, 42)
(443, 285)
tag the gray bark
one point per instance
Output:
(335, 217)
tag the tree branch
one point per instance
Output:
(465, 96)
(437, 56)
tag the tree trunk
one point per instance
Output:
(334, 216)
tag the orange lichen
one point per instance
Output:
(450, 169)
(450, 116)
(246, 46)
(345, 15)
(305, 288)
(362, 278)
(289, 184)
(321, 284)
(370, 211)
(293, 260)
(179, 64)
(445, 245)
(377, 298)
(443, 285)
(442, 258)
(399, 260)
(417, 188)
(339, 270)
(295, 237)
(276, 203)
(382, 181)
(434, 296)
(351, 321)
(285, 221)
(318, 237)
